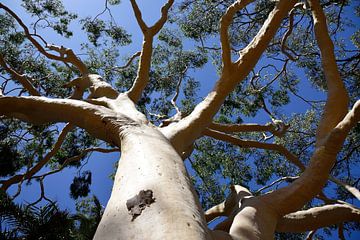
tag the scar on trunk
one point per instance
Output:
(138, 203)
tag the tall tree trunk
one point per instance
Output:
(149, 162)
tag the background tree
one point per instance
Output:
(289, 172)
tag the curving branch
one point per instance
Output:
(127, 64)
(287, 34)
(337, 97)
(186, 131)
(66, 54)
(142, 77)
(31, 172)
(225, 22)
(101, 122)
(254, 144)
(21, 78)
(318, 217)
(309, 184)
(237, 193)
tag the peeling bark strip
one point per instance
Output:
(138, 203)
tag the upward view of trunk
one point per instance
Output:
(149, 162)
(153, 196)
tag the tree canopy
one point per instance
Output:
(285, 76)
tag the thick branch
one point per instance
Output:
(98, 87)
(99, 121)
(337, 99)
(21, 78)
(229, 205)
(142, 77)
(225, 22)
(294, 196)
(318, 217)
(186, 131)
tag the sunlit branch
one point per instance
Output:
(318, 217)
(142, 77)
(21, 78)
(312, 180)
(18, 178)
(311, 234)
(225, 22)
(187, 130)
(99, 121)
(337, 97)
(177, 90)
(353, 190)
(237, 193)
(275, 128)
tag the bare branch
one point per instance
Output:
(309, 184)
(186, 131)
(318, 217)
(278, 128)
(286, 179)
(138, 16)
(311, 235)
(19, 178)
(66, 54)
(231, 202)
(337, 99)
(21, 78)
(142, 77)
(164, 16)
(42, 195)
(287, 34)
(225, 22)
(131, 59)
(41, 110)
(98, 87)
(353, 190)
(254, 144)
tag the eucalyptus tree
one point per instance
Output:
(149, 110)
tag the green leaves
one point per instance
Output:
(95, 28)
(80, 186)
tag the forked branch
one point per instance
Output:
(186, 131)
(142, 77)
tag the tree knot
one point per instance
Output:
(139, 202)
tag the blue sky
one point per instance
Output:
(102, 165)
